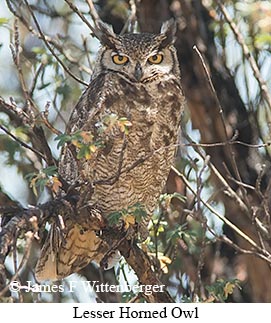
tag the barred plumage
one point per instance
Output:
(132, 112)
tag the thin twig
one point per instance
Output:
(79, 13)
(12, 111)
(15, 50)
(221, 113)
(29, 238)
(234, 142)
(22, 143)
(203, 221)
(44, 117)
(130, 23)
(247, 54)
(93, 12)
(223, 218)
(85, 45)
(228, 189)
(229, 242)
(50, 48)
(50, 40)
(35, 79)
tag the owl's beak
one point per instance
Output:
(138, 71)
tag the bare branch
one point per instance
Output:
(224, 219)
(229, 191)
(29, 238)
(32, 219)
(131, 22)
(66, 69)
(229, 147)
(23, 144)
(78, 12)
(247, 54)
(93, 12)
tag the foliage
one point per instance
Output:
(133, 214)
(196, 235)
(221, 289)
(47, 177)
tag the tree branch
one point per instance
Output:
(66, 69)
(32, 219)
(265, 253)
(247, 54)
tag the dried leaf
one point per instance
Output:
(129, 220)
(56, 184)
(228, 289)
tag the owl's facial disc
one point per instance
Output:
(140, 57)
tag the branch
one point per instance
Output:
(131, 22)
(11, 111)
(225, 220)
(247, 54)
(32, 219)
(229, 191)
(230, 243)
(221, 113)
(141, 264)
(50, 48)
(93, 12)
(29, 238)
(23, 144)
(50, 40)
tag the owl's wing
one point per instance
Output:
(90, 103)
(83, 117)
(66, 253)
(63, 255)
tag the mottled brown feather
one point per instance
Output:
(153, 106)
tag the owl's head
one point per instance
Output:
(140, 57)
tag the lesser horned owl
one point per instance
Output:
(128, 120)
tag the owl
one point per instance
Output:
(123, 134)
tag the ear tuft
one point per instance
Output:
(106, 35)
(168, 30)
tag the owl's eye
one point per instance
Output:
(155, 59)
(119, 59)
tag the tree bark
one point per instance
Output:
(194, 29)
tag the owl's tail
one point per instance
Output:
(64, 254)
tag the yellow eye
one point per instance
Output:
(119, 59)
(155, 59)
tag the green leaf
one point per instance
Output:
(44, 85)
(138, 210)
(63, 89)
(3, 21)
(29, 176)
(114, 217)
(10, 146)
(84, 152)
(50, 170)
(263, 39)
(39, 50)
(175, 234)
(41, 179)
(62, 138)
(222, 288)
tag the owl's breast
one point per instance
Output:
(139, 126)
